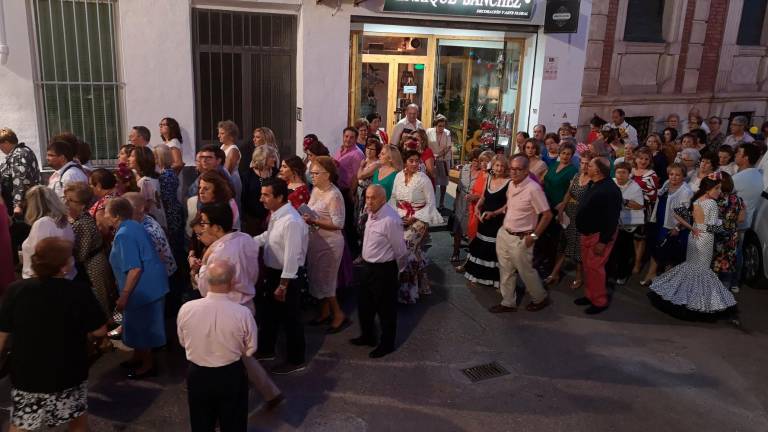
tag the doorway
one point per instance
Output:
(473, 82)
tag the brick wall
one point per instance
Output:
(713, 41)
(609, 40)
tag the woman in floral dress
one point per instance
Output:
(732, 213)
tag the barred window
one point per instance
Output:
(751, 24)
(644, 21)
(78, 78)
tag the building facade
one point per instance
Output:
(656, 57)
(99, 67)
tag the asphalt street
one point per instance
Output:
(631, 368)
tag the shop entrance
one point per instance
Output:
(473, 82)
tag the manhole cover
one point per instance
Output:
(484, 372)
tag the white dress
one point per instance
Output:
(417, 198)
(693, 284)
(235, 174)
(44, 227)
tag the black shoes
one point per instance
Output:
(380, 352)
(361, 341)
(343, 326)
(594, 310)
(582, 301)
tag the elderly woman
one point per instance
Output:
(170, 133)
(707, 165)
(374, 127)
(49, 390)
(462, 203)
(326, 242)
(482, 265)
(689, 158)
(90, 251)
(658, 158)
(570, 246)
(104, 187)
(670, 238)
(537, 166)
(228, 133)
(234, 246)
(440, 142)
(212, 188)
(362, 126)
(142, 282)
(292, 171)
(170, 196)
(414, 199)
(155, 231)
(263, 166)
(390, 163)
(142, 161)
(552, 144)
(48, 218)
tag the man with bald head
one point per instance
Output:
(216, 333)
(384, 255)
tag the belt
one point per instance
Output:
(520, 234)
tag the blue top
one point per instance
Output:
(132, 248)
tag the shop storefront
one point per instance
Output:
(473, 78)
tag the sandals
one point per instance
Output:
(344, 324)
(552, 280)
(455, 258)
(646, 282)
(576, 284)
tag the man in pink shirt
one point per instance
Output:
(349, 158)
(527, 216)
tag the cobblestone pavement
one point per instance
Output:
(631, 368)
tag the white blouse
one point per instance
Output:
(44, 227)
(328, 204)
(419, 194)
(441, 148)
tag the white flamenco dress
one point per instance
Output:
(693, 285)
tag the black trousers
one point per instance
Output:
(275, 314)
(218, 395)
(378, 295)
(351, 235)
(622, 257)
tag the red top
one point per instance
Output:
(592, 137)
(299, 196)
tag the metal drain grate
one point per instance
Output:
(484, 372)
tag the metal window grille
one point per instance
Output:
(78, 78)
(245, 71)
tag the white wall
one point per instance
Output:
(557, 101)
(18, 105)
(156, 60)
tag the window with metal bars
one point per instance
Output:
(78, 78)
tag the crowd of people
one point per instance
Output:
(257, 233)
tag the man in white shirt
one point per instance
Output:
(618, 122)
(410, 121)
(60, 157)
(384, 256)
(139, 136)
(216, 333)
(748, 184)
(285, 249)
(739, 133)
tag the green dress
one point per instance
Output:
(556, 183)
(387, 182)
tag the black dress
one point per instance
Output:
(482, 264)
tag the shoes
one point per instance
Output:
(735, 289)
(264, 356)
(133, 375)
(116, 334)
(576, 284)
(500, 308)
(288, 368)
(380, 352)
(552, 280)
(319, 321)
(646, 282)
(535, 307)
(361, 341)
(344, 324)
(582, 301)
(459, 269)
(621, 281)
(273, 403)
(130, 364)
(594, 310)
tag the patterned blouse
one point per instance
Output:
(156, 233)
(20, 171)
(299, 196)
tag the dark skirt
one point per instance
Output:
(144, 326)
(482, 265)
(669, 250)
